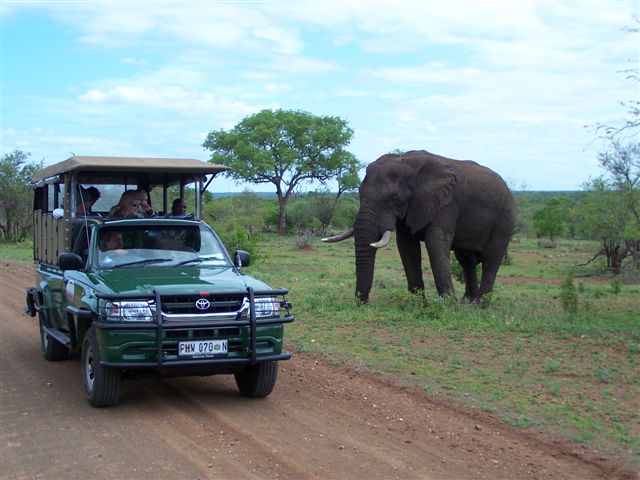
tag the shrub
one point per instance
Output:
(569, 296)
(303, 239)
(239, 238)
(615, 286)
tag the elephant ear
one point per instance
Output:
(433, 189)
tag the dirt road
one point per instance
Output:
(321, 422)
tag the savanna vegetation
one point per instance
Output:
(556, 346)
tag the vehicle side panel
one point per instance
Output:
(49, 237)
(50, 281)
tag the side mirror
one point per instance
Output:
(242, 258)
(70, 261)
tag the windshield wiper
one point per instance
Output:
(143, 262)
(198, 260)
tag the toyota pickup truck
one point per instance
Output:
(153, 294)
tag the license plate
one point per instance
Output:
(202, 348)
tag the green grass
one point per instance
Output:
(523, 357)
(16, 251)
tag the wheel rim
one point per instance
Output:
(88, 368)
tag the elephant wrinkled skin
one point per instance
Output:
(447, 204)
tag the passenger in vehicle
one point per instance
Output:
(147, 210)
(86, 198)
(179, 207)
(129, 206)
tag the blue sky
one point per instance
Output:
(510, 85)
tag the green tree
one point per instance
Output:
(610, 208)
(549, 221)
(287, 148)
(16, 203)
(613, 200)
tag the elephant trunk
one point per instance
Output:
(365, 263)
(366, 232)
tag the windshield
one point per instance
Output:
(162, 245)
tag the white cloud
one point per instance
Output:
(430, 73)
(133, 61)
(54, 146)
(285, 40)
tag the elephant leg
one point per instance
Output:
(491, 260)
(490, 266)
(411, 256)
(438, 245)
(489, 272)
(469, 261)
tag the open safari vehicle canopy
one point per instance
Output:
(156, 170)
(56, 188)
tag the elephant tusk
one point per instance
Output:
(386, 236)
(338, 238)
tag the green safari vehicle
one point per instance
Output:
(146, 294)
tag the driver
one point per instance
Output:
(112, 240)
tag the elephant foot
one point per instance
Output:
(417, 290)
(360, 301)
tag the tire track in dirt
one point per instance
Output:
(242, 448)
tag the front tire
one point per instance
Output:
(101, 384)
(52, 350)
(257, 381)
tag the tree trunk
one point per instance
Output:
(614, 257)
(282, 223)
(633, 246)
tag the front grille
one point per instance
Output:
(195, 307)
(186, 304)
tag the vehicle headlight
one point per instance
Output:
(129, 312)
(267, 306)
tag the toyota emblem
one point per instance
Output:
(202, 304)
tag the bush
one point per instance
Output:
(238, 221)
(569, 296)
(303, 239)
(239, 238)
(615, 286)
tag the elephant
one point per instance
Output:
(448, 204)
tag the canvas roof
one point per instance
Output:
(130, 165)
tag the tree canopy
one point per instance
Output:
(15, 195)
(610, 208)
(549, 221)
(287, 148)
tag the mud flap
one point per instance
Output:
(33, 304)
